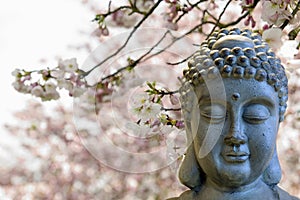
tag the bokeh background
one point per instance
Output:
(41, 156)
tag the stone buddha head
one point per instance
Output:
(233, 99)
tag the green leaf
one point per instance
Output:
(293, 33)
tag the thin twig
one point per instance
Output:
(162, 92)
(175, 40)
(211, 15)
(241, 17)
(170, 109)
(149, 51)
(220, 17)
(235, 22)
(109, 6)
(286, 22)
(178, 38)
(114, 11)
(145, 56)
(135, 28)
(220, 25)
(192, 6)
(132, 65)
(182, 61)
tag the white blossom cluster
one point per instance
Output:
(45, 83)
(275, 12)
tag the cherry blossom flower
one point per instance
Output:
(16, 73)
(104, 31)
(68, 65)
(174, 99)
(247, 2)
(59, 74)
(144, 109)
(144, 5)
(62, 83)
(37, 91)
(50, 87)
(44, 83)
(275, 12)
(250, 20)
(101, 30)
(50, 92)
(122, 18)
(77, 91)
(273, 37)
(147, 111)
(20, 87)
(180, 124)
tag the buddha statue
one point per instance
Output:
(233, 99)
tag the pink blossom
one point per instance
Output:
(122, 18)
(143, 108)
(59, 74)
(105, 31)
(37, 91)
(265, 27)
(250, 20)
(50, 92)
(16, 73)
(274, 12)
(66, 84)
(17, 85)
(273, 37)
(68, 65)
(179, 124)
(174, 100)
(144, 5)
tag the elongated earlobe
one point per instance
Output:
(190, 173)
(272, 174)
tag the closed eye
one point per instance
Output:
(256, 114)
(210, 115)
(213, 113)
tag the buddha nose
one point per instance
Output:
(236, 135)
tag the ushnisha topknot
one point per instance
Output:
(238, 54)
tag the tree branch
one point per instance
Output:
(132, 65)
(220, 25)
(128, 38)
(220, 17)
(192, 6)
(286, 22)
(170, 109)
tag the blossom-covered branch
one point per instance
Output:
(176, 14)
(128, 38)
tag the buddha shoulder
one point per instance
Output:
(187, 195)
(283, 195)
(191, 195)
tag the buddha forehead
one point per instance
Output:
(234, 91)
(235, 54)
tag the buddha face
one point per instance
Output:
(244, 126)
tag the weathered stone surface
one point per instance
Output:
(233, 100)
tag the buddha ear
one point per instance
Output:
(272, 174)
(190, 174)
